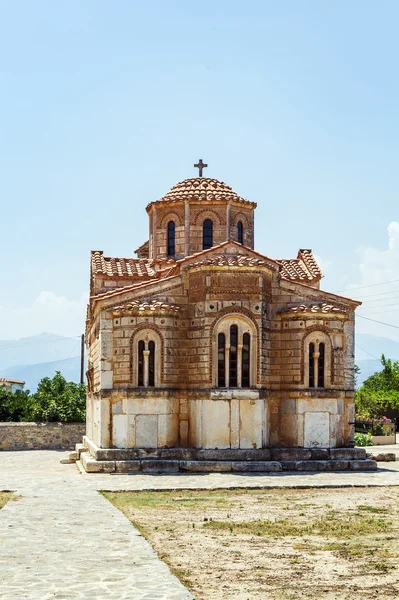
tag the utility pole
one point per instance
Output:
(82, 358)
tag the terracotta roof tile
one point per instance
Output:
(303, 268)
(202, 188)
(142, 305)
(122, 267)
(7, 380)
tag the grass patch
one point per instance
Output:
(372, 509)
(4, 498)
(168, 499)
(342, 527)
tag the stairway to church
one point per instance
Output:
(93, 459)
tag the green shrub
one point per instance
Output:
(363, 439)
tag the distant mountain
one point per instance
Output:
(369, 346)
(41, 348)
(32, 374)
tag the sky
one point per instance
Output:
(106, 105)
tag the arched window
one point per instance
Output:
(246, 348)
(317, 360)
(234, 360)
(207, 234)
(221, 360)
(146, 346)
(140, 381)
(240, 232)
(171, 238)
(151, 364)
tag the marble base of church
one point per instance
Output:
(267, 460)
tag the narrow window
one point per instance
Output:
(233, 355)
(311, 365)
(221, 360)
(171, 238)
(320, 378)
(140, 381)
(151, 364)
(240, 232)
(207, 234)
(246, 347)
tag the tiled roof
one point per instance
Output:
(319, 307)
(7, 380)
(142, 305)
(122, 267)
(202, 188)
(303, 268)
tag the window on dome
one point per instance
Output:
(171, 238)
(240, 232)
(207, 234)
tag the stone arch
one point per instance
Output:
(207, 213)
(151, 332)
(171, 216)
(240, 216)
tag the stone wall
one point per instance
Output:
(40, 436)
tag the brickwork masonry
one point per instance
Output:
(40, 436)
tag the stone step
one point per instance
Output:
(79, 448)
(91, 465)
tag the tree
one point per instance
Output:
(380, 391)
(15, 407)
(59, 400)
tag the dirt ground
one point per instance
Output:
(340, 544)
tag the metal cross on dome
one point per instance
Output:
(200, 165)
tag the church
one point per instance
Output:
(204, 354)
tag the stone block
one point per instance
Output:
(312, 465)
(363, 465)
(288, 465)
(338, 465)
(252, 466)
(319, 454)
(317, 429)
(147, 431)
(237, 454)
(159, 466)
(348, 453)
(383, 457)
(205, 466)
(291, 454)
(288, 406)
(91, 465)
(127, 466)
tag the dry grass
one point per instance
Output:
(4, 498)
(338, 544)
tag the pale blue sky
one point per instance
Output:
(105, 105)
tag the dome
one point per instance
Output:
(202, 189)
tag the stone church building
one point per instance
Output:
(203, 348)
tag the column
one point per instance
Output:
(154, 232)
(146, 365)
(187, 228)
(228, 217)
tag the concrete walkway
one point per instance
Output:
(62, 540)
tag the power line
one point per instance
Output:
(38, 343)
(380, 306)
(381, 299)
(380, 322)
(363, 350)
(380, 294)
(362, 287)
